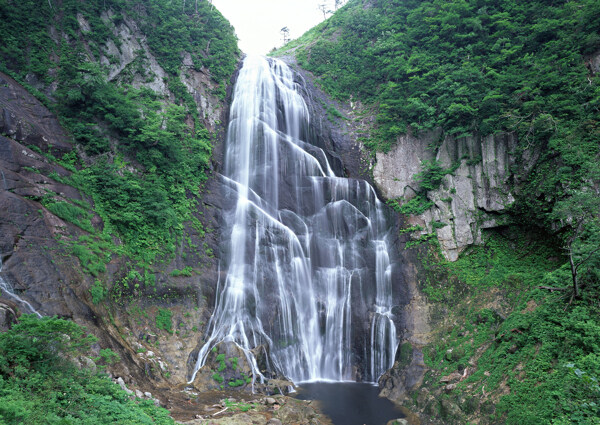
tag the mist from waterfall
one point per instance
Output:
(308, 272)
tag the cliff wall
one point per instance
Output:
(153, 312)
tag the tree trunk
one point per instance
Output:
(574, 275)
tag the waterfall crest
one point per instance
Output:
(308, 273)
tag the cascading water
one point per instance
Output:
(7, 290)
(308, 270)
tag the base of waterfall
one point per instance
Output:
(351, 403)
(313, 404)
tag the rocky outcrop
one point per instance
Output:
(132, 62)
(593, 62)
(473, 195)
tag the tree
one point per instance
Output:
(580, 212)
(324, 9)
(285, 33)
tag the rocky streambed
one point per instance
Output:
(312, 404)
(219, 407)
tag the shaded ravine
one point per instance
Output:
(306, 253)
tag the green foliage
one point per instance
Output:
(98, 292)
(186, 271)
(108, 356)
(416, 206)
(218, 377)
(35, 343)
(145, 156)
(468, 67)
(164, 319)
(221, 360)
(527, 357)
(579, 214)
(239, 406)
(587, 394)
(198, 29)
(550, 339)
(69, 212)
(93, 252)
(511, 261)
(39, 383)
(431, 175)
(237, 383)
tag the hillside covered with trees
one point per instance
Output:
(66, 56)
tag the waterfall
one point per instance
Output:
(7, 290)
(306, 252)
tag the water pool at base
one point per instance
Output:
(350, 403)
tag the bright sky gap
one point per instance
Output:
(258, 23)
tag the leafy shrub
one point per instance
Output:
(98, 292)
(40, 385)
(71, 213)
(186, 271)
(416, 206)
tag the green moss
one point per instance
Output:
(164, 319)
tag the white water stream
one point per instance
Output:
(306, 250)
(7, 290)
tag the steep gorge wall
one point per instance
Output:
(36, 244)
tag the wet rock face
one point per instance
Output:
(9, 314)
(24, 119)
(28, 232)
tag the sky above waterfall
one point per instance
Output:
(258, 23)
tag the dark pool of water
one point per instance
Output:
(350, 403)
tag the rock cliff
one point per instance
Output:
(474, 194)
(154, 330)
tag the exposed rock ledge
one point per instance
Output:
(473, 197)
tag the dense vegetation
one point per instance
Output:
(41, 384)
(521, 354)
(143, 155)
(470, 66)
